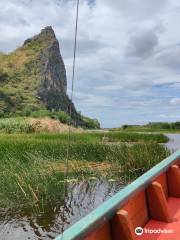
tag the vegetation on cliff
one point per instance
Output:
(33, 80)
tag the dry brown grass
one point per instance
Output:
(51, 125)
(78, 165)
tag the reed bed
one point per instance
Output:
(32, 166)
(137, 137)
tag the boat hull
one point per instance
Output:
(148, 208)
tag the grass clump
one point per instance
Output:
(16, 125)
(132, 161)
(136, 137)
(27, 182)
(89, 123)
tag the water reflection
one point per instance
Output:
(174, 143)
(81, 199)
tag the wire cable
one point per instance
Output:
(70, 114)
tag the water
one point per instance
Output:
(82, 198)
(174, 143)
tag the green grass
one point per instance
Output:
(15, 125)
(22, 125)
(133, 137)
(148, 130)
(27, 182)
(151, 127)
(30, 174)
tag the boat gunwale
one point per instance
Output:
(106, 210)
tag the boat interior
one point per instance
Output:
(146, 209)
(155, 209)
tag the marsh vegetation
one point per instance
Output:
(32, 179)
(165, 127)
(32, 165)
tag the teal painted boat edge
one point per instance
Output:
(106, 210)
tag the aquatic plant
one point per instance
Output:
(32, 166)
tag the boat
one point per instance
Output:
(148, 208)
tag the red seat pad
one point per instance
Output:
(173, 227)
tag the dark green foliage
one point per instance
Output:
(124, 127)
(159, 125)
(164, 125)
(6, 103)
(62, 117)
(40, 113)
(153, 127)
(90, 123)
(3, 77)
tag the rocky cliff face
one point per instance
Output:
(53, 71)
(52, 89)
(34, 76)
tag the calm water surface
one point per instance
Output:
(174, 143)
(82, 198)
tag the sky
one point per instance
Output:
(128, 53)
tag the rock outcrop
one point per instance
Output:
(33, 79)
(53, 85)
(36, 76)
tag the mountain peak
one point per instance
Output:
(46, 34)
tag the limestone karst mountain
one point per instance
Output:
(33, 77)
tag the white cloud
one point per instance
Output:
(142, 44)
(136, 9)
(175, 101)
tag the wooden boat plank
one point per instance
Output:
(173, 175)
(157, 203)
(162, 179)
(103, 233)
(122, 226)
(137, 209)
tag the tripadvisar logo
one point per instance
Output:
(139, 231)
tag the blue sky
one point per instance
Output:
(128, 56)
